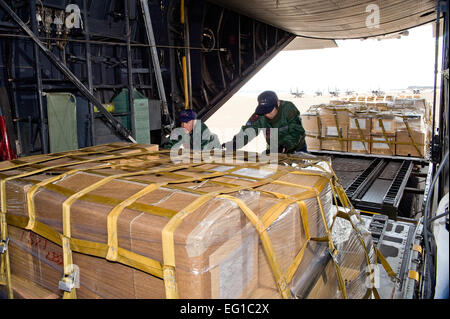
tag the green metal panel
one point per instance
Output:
(141, 118)
(122, 105)
(141, 113)
(62, 121)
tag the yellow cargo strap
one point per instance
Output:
(411, 136)
(5, 272)
(167, 270)
(413, 275)
(298, 259)
(319, 127)
(267, 245)
(52, 157)
(5, 268)
(386, 265)
(338, 129)
(361, 134)
(417, 248)
(174, 222)
(380, 120)
(113, 216)
(375, 293)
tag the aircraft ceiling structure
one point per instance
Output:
(202, 53)
(178, 54)
(337, 19)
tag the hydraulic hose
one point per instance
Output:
(427, 222)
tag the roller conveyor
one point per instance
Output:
(376, 184)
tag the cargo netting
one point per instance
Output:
(123, 220)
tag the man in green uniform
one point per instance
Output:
(193, 134)
(276, 117)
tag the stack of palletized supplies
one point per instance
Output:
(383, 127)
(312, 125)
(125, 221)
(326, 127)
(383, 133)
(334, 122)
(411, 135)
(359, 131)
(414, 118)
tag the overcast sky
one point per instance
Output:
(355, 65)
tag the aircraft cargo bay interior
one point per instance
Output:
(247, 150)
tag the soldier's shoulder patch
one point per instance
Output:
(252, 119)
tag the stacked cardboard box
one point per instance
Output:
(217, 247)
(383, 134)
(312, 125)
(405, 146)
(359, 133)
(334, 128)
(382, 144)
(384, 127)
(411, 135)
(384, 122)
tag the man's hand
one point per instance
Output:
(282, 149)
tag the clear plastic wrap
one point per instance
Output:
(219, 245)
(415, 121)
(404, 122)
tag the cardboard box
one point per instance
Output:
(287, 240)
(410, 150)
(217, 250)
(358, 146)
(36, 259)
(310, 122)
(379, 145)
(312, 143)
(331, 131)
(207, 262)
(365, 125)
(329, 117)
(388, 121)
(415, 122)
(411, 103)
(332, 144)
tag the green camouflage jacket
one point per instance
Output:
(200, 133)
(291, 133)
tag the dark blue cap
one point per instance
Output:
(187, 115)
(267, 100)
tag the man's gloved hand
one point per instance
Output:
(282, 149)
